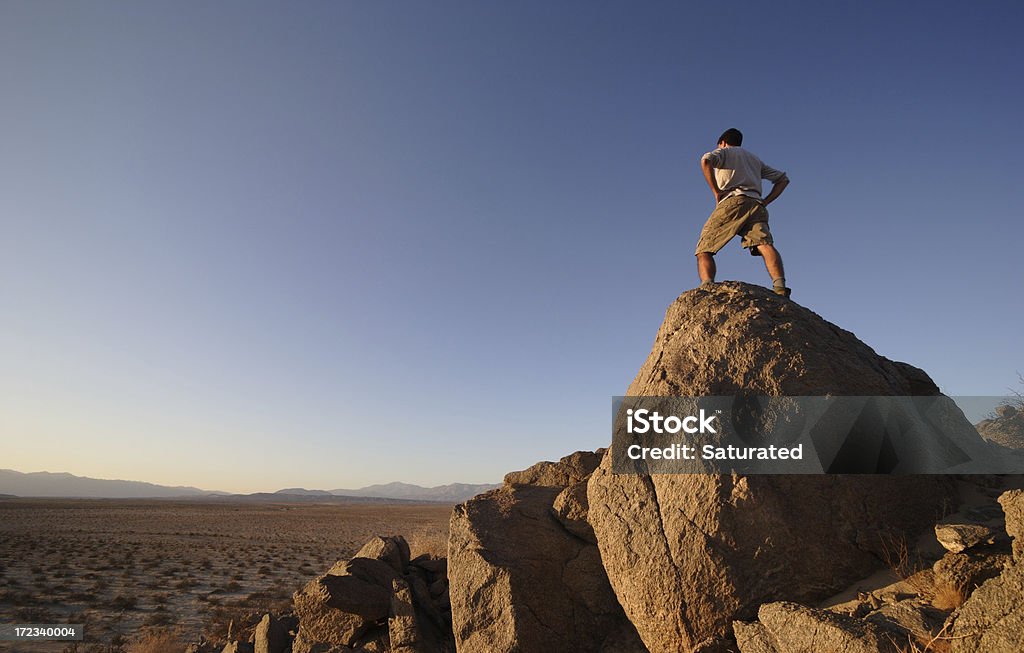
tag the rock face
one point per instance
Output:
(1013, 509)
(966, 572)
(992, 618)
(525, 575)
(790, 628)
(688, 554)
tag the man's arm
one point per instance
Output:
(709, 175)
(777, 188)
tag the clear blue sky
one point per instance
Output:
(252, 245)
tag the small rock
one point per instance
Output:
(393, 550)
(271, 635)
(957, 537)
(570, 508)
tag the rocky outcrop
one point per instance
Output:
(378, 600)
(1006, 428)
(969, 602)
(992, 618)
(689, 554)
(525, 574)
(570, 556)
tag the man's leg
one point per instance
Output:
(706, 267)
(773, 261)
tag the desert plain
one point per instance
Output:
(121, 566)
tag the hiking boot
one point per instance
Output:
(782, 291)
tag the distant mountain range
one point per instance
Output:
(49, 484)
(451, 493)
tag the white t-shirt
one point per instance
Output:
(739, 172)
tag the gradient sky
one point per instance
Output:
(249, 245)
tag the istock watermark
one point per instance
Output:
(754, 434)
(645, 421)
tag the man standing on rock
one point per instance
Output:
(735, 175)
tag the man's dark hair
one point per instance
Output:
(732, 137)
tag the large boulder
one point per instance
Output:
(738, 338)
(338, 607)
(520, 580)
(688, 554)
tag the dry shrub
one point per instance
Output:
(905, 565)
(948, 597)
(896, 556)
(940, 643)
(156, 640)
(935, 645)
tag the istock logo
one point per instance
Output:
(644, 421)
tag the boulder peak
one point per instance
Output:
(736, 337)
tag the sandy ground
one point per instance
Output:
(121, 565)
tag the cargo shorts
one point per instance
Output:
(739, 215)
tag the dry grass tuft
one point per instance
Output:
(948, 597)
